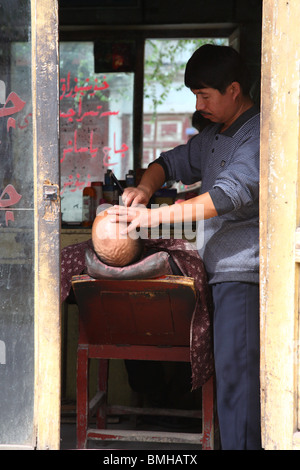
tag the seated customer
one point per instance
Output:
(145, 377)
(183, 260)
(111, 247)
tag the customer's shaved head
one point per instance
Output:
(112, 247)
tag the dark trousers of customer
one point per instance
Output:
(236, 349)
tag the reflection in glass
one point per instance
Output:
(95, 125)
(168, 104)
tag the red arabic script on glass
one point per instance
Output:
(68, 92)
(71, 88)
(76, 185)
(106, 150)
(72, 114)
(8, 198)
(17, 106)
(13, 196)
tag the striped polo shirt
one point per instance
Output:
(227, 164)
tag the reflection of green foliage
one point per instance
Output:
(165, 61)
(78, 59)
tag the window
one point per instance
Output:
(96, 109)
(168, 104)
(95, 125)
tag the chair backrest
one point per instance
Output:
(135, 312)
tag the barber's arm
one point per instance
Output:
(152, 180)
(197, 208)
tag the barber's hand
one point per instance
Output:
(135, 196)
(135, 216)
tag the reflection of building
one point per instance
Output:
(163, 133)
(168, 105)
(171, 123)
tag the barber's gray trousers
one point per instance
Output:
(236, 349)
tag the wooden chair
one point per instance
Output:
(141, 320)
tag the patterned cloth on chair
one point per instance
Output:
(73, 262)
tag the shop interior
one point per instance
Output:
(122, 102)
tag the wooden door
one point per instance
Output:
(279, 227)
(29, 226)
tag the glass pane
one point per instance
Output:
(168, 104)
(16, 227)
(95, 125)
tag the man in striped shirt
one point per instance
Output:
(225, 158)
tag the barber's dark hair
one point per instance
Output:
(213, 66)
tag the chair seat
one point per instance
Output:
(139, 312)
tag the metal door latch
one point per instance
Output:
(50, 192)
(51, 201)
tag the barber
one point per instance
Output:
(225, 157)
